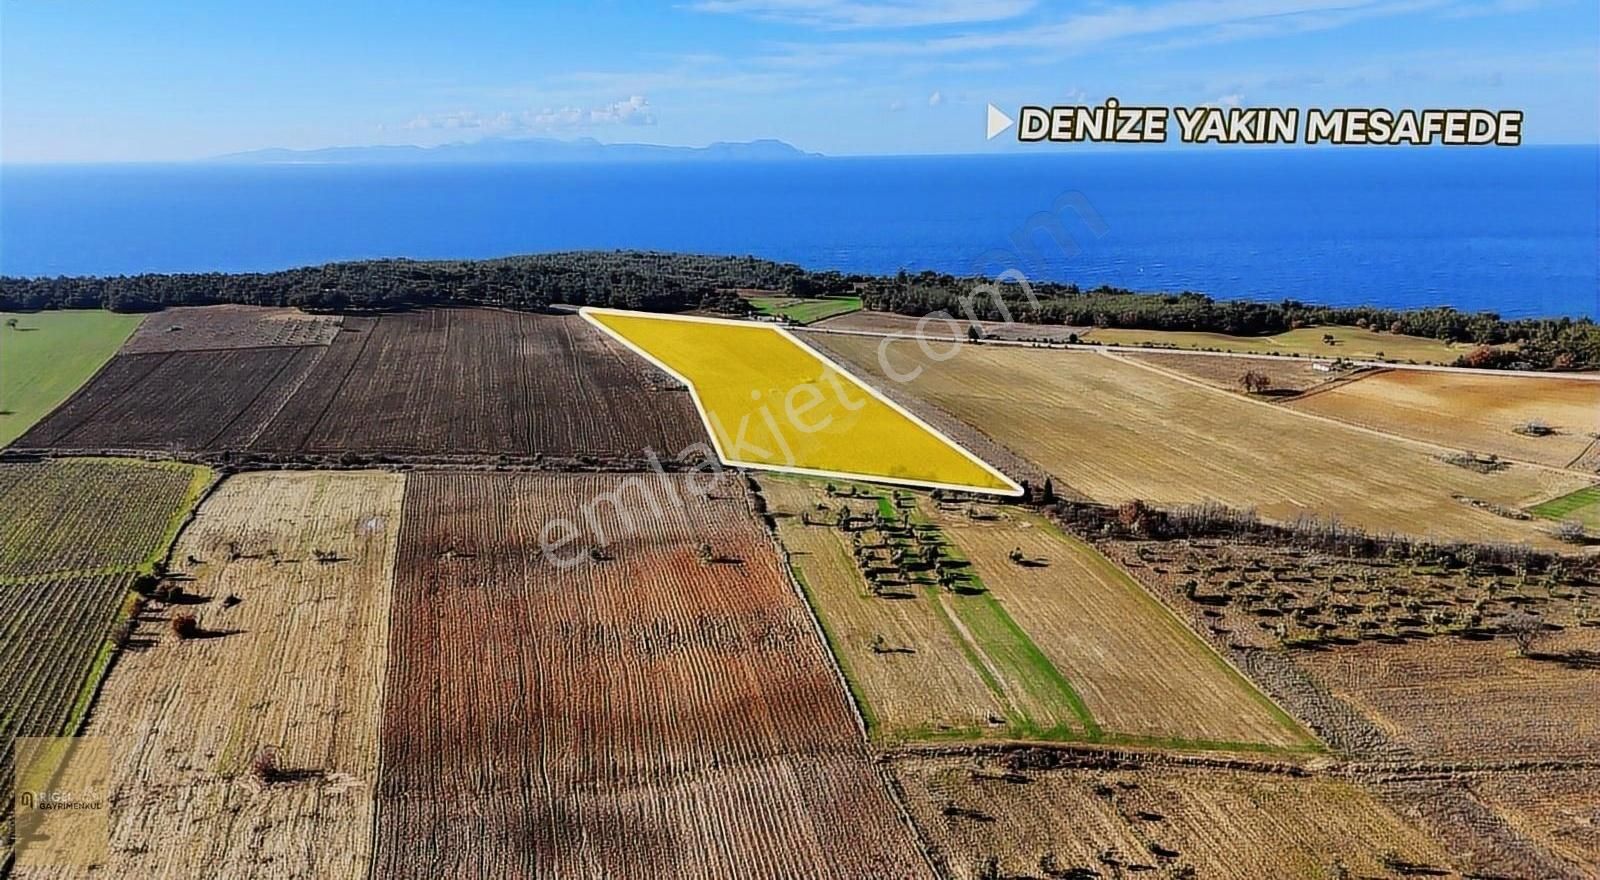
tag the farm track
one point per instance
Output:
(1139, 434)
(1156, 350)
(1330, 420)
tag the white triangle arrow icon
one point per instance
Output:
(998, 121)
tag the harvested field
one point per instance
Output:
(1115, 431)
(1142, 673)
(444, 382)
(1560, 810)
(1285, 378)
(47, 355)
(74, 534)
(665, 711)
(177, 401)
(934, 328)
(197, 328)
(1348, 342)
(288, 661)
(1474, 699)
(989, 817)
(1478, 836)
(911, 676)
(1471, 411)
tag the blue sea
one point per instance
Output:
(1509, 230)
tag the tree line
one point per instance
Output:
(620, 279)
(1539, 343)
(657, 281)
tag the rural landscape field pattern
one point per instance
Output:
(289, 568)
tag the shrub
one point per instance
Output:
(184, 626)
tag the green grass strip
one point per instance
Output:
(1004, 642)
(1560, 508)
(852, 683)
(805, 311)
(1167, 614)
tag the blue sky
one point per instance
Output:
(114, 81)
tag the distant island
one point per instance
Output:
(500, 150)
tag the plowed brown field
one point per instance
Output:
(441, 382)
(649, 715)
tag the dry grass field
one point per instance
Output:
(288, 660)
(910, 673)
(1114, 431)
(198, 328)
(1559, 810)
(1470, 411)
(1143, 674)
(1349, 342)
(934, 328)
(1474, 699)
(1287, 377)
(989, 818)
(658, 712)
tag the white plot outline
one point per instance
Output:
(589, 313)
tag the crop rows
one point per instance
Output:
(664, 711)
(287, 576)
(445, 382)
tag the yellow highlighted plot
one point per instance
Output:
(771, 402)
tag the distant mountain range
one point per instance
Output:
(519, 150)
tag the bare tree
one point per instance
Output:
(1525, 630)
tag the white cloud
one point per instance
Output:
(896, 105)
(845, 14)
(936, 98)
(632, 111)
(1169, 24)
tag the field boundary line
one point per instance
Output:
(588, 313)
(366, 337)
(1573, 464)
(265, 387)
(1426, 444)
(853, 698)
(1308, 739)
(160, 359)
(1332, 384)
(1158, 349)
